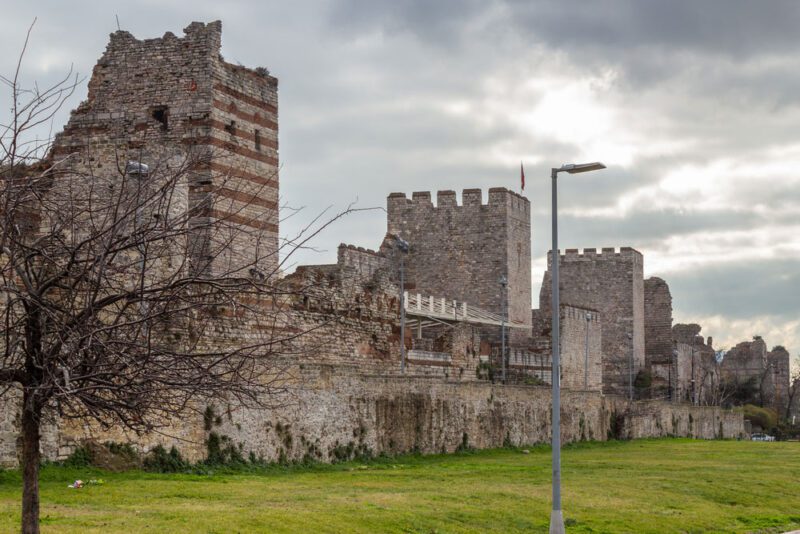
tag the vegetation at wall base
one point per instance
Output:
(667, 485)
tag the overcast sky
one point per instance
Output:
(692, 105)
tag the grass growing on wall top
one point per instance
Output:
(671, 485)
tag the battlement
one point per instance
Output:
(197, 35)
(591, 254)
(344, 248)
(578, 312)
(470, 198)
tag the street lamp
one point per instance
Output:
(403, 247)
(630, 368)
(586, 354)
(556, 516)
(503, 286)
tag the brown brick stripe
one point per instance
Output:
(245, 198)
(232, 147)
(244, 221)
(238, 95)
(253, 118)
(226, 170)
(241, 133)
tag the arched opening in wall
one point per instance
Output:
(231, 127)
(161, 115)
(257, 137)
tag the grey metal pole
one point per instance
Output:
(586, 355)
(503, 282)
(693, 394)
(556, 516)
(402, 318)
(630, 370)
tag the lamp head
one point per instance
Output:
(402, 244)
(575, 168)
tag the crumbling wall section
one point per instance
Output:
(174, 105)
(657, 322)
(778, 360)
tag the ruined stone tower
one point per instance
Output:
(613, 283)
(174, 101)
(658, 340)
(461, 251)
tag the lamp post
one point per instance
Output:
(403, 247)
(630, 368)
(586, 355)
(556, 516)
(503, 285)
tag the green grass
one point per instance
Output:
(671, 485)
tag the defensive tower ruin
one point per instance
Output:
(461, 251)
(611, 282)
(166, 101)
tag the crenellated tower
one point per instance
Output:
(460, 251)
(612, 282)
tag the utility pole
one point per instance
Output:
(694, 395)
(403, 247)
(630, 369)
(503, 286)
(586, 355)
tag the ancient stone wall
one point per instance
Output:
(780, 377)
(334, 413)
(746, 361)
(461, 251)
(580, 326)
(647, 419)
(657, 322)
(174, 105)
(696, 376)
(613, 283)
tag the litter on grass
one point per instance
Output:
(78, 484)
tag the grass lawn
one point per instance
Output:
(669, 485)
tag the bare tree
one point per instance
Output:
(121, 295)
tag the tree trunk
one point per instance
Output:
(30, 466)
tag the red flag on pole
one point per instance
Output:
(522, 175)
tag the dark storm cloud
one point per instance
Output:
(380, 96)
(740, 290)
(736, 28)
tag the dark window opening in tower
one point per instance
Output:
(161, 115)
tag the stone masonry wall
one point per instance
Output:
(611, 282)
(335, 413)
(575, 373)
(745, 361)
(173, 102)
(461, 251)
(657, 322)
(779, 362)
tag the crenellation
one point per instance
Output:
(446, 199)
(422, 198)
(471, 198)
